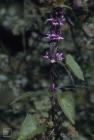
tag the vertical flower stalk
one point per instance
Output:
(53, 55)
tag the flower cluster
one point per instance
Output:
(54, 37)
(55, 57)
(55, 21)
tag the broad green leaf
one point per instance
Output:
(67, 104)
(30, 128)
(75, 68)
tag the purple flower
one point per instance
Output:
(56, 57)
(54, 37)
(56, 22)
(59, 56)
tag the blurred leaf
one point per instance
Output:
(30, 128)
(67, 104)
(89, 29)
(61, 4)
(60, 1)
(78, 3)
(80, 137)
(19, 27)
(6, 95)
(75, 68)
(23, 97)
(92, 98)
(27, 95)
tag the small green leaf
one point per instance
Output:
(67, 104)
(30, 128)
(75, 68)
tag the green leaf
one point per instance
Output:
(75, 68)
(60, 1)
(67, 104)
(30, 128)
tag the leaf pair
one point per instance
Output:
(66, 101)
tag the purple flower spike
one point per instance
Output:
(55, 20)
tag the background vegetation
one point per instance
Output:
(27, 109)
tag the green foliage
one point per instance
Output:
(30, 127)
(75, 68)
(67, 104)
